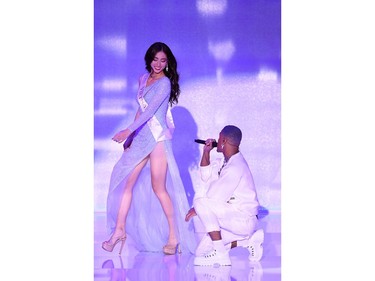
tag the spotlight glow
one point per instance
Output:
(115, 44)
(112, 85)
(211, 7)
(222, 51)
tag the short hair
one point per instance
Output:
(233, 133)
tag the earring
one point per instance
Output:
(166, 68)
(222, 146)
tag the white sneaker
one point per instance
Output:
(204, 246)
(213, 258)
(255, 245)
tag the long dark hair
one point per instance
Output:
(172, 73)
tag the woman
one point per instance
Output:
(155, 218)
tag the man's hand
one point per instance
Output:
(205, 160)
(208, 146)
(191, 213)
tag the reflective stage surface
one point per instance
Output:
(134, 265)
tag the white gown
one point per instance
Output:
(146, 222)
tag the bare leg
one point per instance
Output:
(158, 161)
(126, 200)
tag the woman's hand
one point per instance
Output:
(191, 213)
(121, 136)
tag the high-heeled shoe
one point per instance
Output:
(108, 245)
(171, 250)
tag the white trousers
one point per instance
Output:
(224, 217)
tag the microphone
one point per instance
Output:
(214, 143)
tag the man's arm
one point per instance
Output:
(205, 168)
(205, 161)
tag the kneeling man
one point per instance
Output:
(227, 204)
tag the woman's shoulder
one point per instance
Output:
(165, 80)
(143, 76)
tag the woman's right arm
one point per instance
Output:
(137, 114)
(163, 89)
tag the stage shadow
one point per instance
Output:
(262, 212)
(185, 150)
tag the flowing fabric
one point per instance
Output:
(146, 222)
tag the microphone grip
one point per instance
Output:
(214, 143)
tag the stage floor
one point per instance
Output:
(134, 265)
